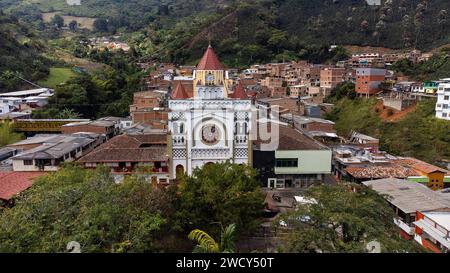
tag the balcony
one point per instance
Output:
(403, 226)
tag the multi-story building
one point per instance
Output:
(430, 87)
(299, 90)
(214, 125)
(443, 102)
(297, 161)
(331, 77)
(272, 82)
(148, 108)
(368, 80)
(51, 151)
(432, 230)
(412, 203)
(127, 154)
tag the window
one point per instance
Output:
(287, 163)
(181, 128)
(28, 162)
(446, 97)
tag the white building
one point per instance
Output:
(212, 126)
(443, 102)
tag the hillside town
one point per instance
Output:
(188, 117)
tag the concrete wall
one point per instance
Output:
(309, 162)
(397, 104)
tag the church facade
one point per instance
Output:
(212, 126)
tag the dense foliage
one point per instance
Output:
(89, 208)
(257, 30)
(218, 195)
(7, 135)
(102, 92)
(344, 218)
(20, 55)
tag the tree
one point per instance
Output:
(343, 218)
(7, 136)
(226, 193)
(68, 114)
(206, 244)
(57, 21)
(101, 25)
(88, 207)
(73, 25)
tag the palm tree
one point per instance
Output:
(68, 114)
(206, 244)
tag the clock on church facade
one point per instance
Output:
(212, 120)
(210, 134)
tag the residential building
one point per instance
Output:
(147, 154)
(368, 80)
(148, 108)
(357, 164)
(52, 151)
(308, 124)
(102, 127)
(278, 92)
(14, 183)
(430, 87)
(295, 161)
(364, 141)
(331, 77)
(443, 101)
(299, 90)
(432, 230)
(407, 198)
(272, 82)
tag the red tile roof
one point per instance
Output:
(379, 172)
(210, 61)
(420, 166)
(12, 183)
(180, 92)
(239, 93)
(130, 148)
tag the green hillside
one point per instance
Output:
(19, 54)
(259, 30)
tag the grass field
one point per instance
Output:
(57, 75)
(83, 22)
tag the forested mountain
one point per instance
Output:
(246, 31)
(243, 31)
(20, 54)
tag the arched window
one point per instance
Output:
(179, 170)
(181, 128)
(245, 128)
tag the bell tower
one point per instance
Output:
(210, 77)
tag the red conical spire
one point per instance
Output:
(180, 93)
(210, 61)
(239, 92)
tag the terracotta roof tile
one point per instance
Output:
(420, 165)
(130, 148)
(378, 172)
(210, 61)
(239, 93)
(180, 92)
(12, 183)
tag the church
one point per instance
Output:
(211, 126)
